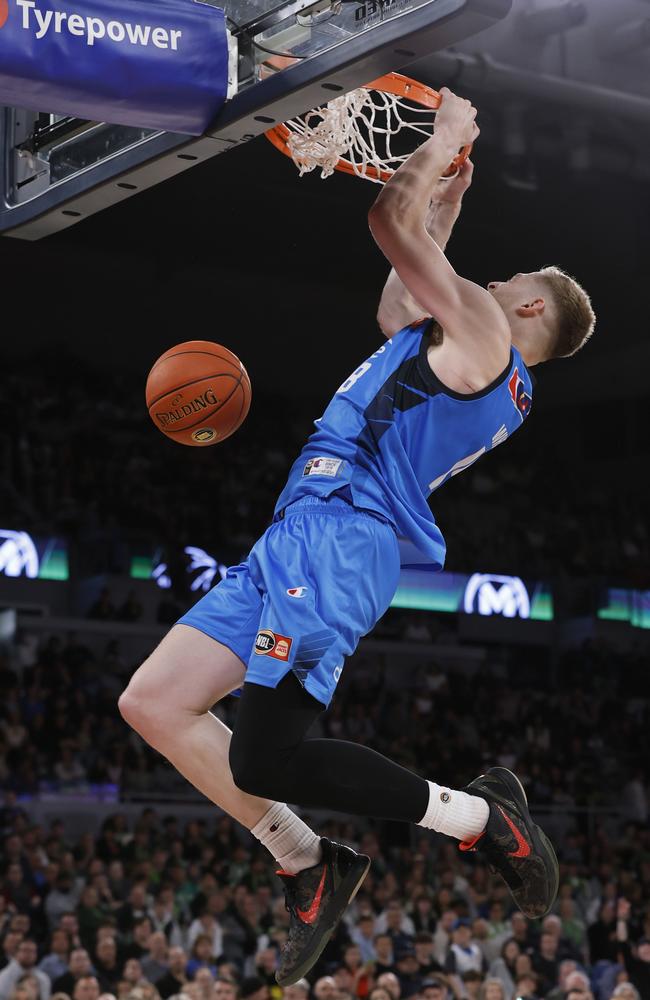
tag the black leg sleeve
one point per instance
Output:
(270, 757)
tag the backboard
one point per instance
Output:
(287, 56)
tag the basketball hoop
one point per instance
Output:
(359, 133)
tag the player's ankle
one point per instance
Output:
(455, 813)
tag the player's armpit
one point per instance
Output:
(466, 312)
(397, 307)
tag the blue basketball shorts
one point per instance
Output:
(317, 580)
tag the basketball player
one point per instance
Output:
(429, 402)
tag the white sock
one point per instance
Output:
(291, 842)
(455, 814)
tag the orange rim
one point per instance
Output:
(391, 83)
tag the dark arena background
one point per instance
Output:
(531, 650)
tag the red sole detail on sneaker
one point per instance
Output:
(470, 845)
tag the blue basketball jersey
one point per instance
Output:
(393, 433)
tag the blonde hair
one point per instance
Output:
(493, 981)
(575, 315)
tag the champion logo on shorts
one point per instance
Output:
(297, 591)
(268, 643)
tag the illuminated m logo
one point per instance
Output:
(496, 595)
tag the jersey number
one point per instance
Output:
(361, 370)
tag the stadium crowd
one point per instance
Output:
(166, 910)
(582, 743)
(86, 464)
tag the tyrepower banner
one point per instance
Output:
(160, 64)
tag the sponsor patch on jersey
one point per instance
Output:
(268, 643)
(522, 400)
(322, 467)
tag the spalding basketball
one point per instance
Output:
(198, 393)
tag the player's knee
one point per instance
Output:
(147, 715)
(132, 708)
(252, 775)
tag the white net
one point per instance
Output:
(364, 128)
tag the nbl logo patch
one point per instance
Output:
(268, 643)
(4, 12)
(522, 400)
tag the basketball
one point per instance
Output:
(198, 393)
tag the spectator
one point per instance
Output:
(24, 963)
(391, 983)
(252, 988)
(526, 987)
(573, 927)
(163, 917)
(107, 964)
(30, 984)
(520, 930)
(69, 923)
(464, 953)
(138, 947)
(204, 983)
(176, 975)
(601, 935)
(384, 961)
(134, 909)
(224, 989)
(61, 899)
(493, 989)
(299, 991)
(201, 956)
(86, 988)
(503, 968)
(546, 962)
(423, 944)
(471, 981)
(625, 991)
(90, 914)
(435, 988)
(363, 936)
(132, 973)
(442, 937)
(9, 947)
(394, 922)
(325, 988)
(408, 971)
(55, 963)
(21, 991)
(638, 966)
(266, 963)
(423, 916)
(78, 966)
(207, 926)
(569, 977)
(154, 963)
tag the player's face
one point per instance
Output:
(519, 290)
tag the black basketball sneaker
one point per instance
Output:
(513, 845)
(316, 899)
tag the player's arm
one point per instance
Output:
(467, 313)
(397, 307)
